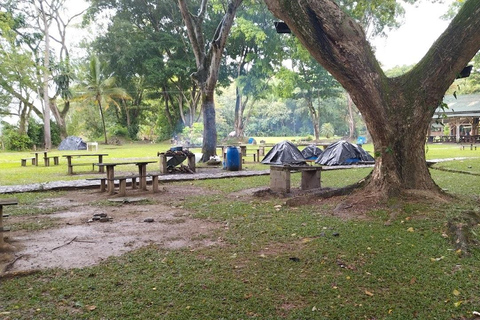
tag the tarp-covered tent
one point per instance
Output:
(72, 143)
(311, 152)
(343, 153)
(284, 152)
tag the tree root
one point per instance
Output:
(16, 274)
(323, 193)
(460, 230)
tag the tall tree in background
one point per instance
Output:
(208, 58)
(307, 80)
(254, 54)
(46, 10)
(62, 72)
(19, 70)
(397, 111)
(147, 48)
(100, 89)
(32, 21)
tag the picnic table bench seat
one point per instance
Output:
(70, 167)
(24, 161)
(122, 182)
(47, 160)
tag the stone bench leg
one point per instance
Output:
(134, 183)
(310, 179)
(24, 162)
(280, 180)
(103, 184)
(55, 161)
(122, 185)
(47, 162)
(154, 183)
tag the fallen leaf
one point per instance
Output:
(413, 280)
(437, 259)
(458, 303)
(410, 229)
(91, 308)
(368, 293)
(456, 292)
(314, 309)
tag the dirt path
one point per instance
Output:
(73, 240)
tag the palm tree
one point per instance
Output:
(100, 89)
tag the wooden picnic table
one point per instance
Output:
(142, 173)
(5, 202)
(78, 155)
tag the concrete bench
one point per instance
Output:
(280, 177)
(24, 161)
(154, 177)
(5, 202)
(47, 160)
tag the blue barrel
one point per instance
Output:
(233, 159)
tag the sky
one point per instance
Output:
(408, 44)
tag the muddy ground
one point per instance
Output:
(72, 240)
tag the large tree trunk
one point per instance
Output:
(208, 63)
(397, 111)
(209, 127)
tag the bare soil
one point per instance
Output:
(72, 240)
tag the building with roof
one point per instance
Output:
(458, 122)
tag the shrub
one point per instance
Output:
(35, 133)
(16, 142)
(327, 130)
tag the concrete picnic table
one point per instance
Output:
(46, 158)
(45, 153)
(142, 173)
(71, 165)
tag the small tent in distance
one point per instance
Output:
(72, 143)
(284, 153)
(311, 152)
(344, 153)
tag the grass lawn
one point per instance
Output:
(272, 261)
